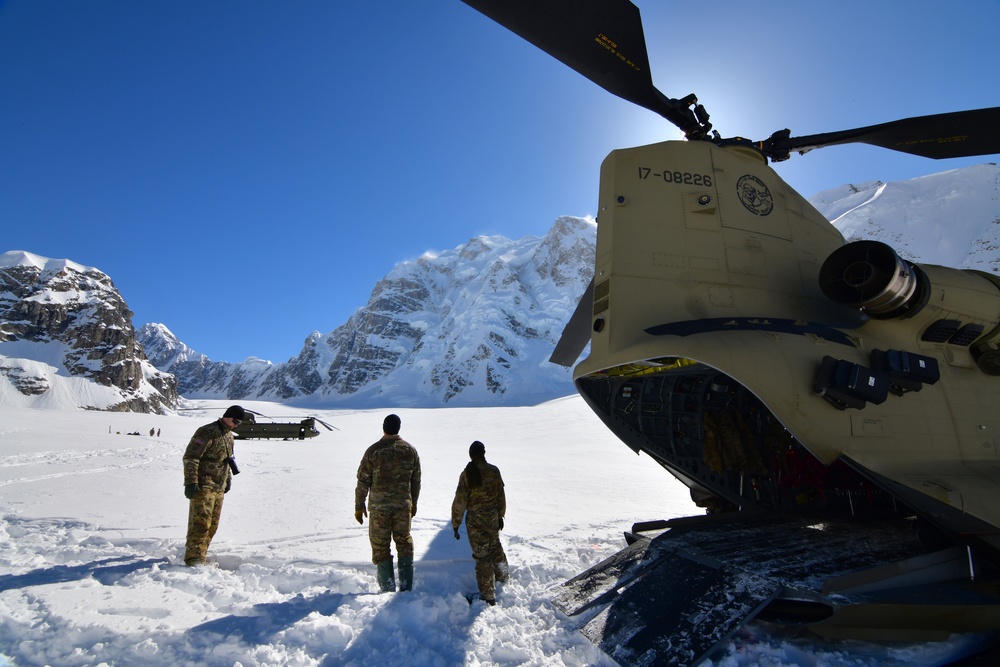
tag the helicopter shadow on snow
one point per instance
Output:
(261, 624)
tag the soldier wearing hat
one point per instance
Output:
(209, 467)
(481, 500)
(389, 478)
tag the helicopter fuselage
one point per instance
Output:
(715, 349)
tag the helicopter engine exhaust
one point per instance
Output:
(871, 276)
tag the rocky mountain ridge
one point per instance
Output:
(59, 319)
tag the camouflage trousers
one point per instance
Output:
(203, 520)
(483, 527)
(386, 526)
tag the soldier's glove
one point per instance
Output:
(457, 536)
(413, 510)
(501, 523)
(229, 484)
(191, 490)
(358, 513)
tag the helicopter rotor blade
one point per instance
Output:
(254, 412)
(946, 135)
(329, 427)
(576, 334)
(602, 40)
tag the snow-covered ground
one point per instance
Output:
(92, 524)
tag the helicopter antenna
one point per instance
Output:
(602, 40)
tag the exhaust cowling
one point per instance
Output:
(870, 275)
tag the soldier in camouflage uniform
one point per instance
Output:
(389, 477)
(480, 498)
(208, 475)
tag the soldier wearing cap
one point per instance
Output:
(209, 467)
(481, 500)
(389, 478)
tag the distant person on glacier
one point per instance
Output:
(209, 467)
(389, 478)
(481, 500)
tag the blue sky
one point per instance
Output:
(246, 171)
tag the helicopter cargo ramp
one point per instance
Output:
(676, 597)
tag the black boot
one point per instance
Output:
(386, 582)
(406, 573)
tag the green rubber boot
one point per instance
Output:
(386, 582)
(406, 573)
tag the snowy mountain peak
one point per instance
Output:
(23, 258)
(951, 218)
(473, 325)
(66, 340)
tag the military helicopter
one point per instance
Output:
(832, 406)
(250, 428)
(293, 430)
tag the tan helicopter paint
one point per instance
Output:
(689, 231)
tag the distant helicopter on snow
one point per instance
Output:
(251, 429)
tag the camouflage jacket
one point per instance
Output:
(488, 496)
(206, 454)
(389, 475)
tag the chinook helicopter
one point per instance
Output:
(831, 405)
(250, 428)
